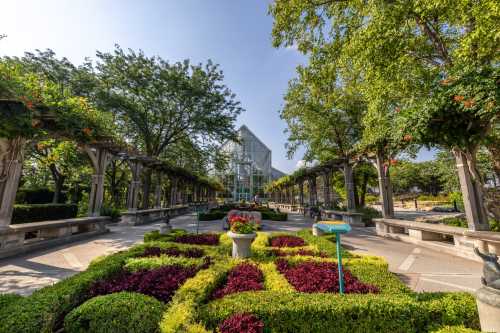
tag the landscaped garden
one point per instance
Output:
(183, 282)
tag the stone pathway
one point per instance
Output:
(420, 268)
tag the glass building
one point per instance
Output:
(250, 167)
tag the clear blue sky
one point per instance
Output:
(233, 33)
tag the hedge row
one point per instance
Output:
(45, 309)
(299, 312)
(43, 212)
(37, 196)
(212, 215)
(274, 216)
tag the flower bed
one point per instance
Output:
(202, 239)
(173, 252)
(244, 277)
(160, 283)
(321, 277)
(287, 241)
(242, 322)
(271, 296)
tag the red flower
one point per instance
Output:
(469, 103)
(458, 98)
(407, 137)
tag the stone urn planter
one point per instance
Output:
(242, 244)
(488, 306)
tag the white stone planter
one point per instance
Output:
(488, 306)
(242, 244)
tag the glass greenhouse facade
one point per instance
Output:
(250, 167)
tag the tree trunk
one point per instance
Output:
(58, 183)
(385, 186)
(472, 189)
(364, 185)
(356, 193)
(349, 186)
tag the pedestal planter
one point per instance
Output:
(241, 244)
(488, 305)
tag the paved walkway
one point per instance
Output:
(420, 268)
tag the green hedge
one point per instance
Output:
(212, 215)
(122, 312)
(46, 308)
(455, 329)
(273, 216)
(37, 196)
(300, 312)
(43, 212)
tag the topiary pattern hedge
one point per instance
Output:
(188, 304)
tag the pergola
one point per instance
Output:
(101, 152)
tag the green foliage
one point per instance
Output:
(156, 236)
(455, 329)
(273, 280)
(35, 196)
(43, 212)
(136, 264)
(110, 211)
(324, 244)
(8, 299)
(41, 311)
(74, 117)
(299, 312)
(120, 312)
(212, 215)
(274, 216)
(369, 214)
(182, 315)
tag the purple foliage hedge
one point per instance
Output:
(321, 277)
(201, 239)
(244, 277)
(242, 323)
(287, 241)
(173, 252)
(160, 283)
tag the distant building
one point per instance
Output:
(250, 167)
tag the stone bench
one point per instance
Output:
(144, 216)
(449, 239)
(25, 237)
(351, 218)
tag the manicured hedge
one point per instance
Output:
(122, 312)
(455, 329)
(37, 196)
(274, 216)
(298, 312)
(45, 309)
(212, 215)
(43, 212)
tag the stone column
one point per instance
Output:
(173, 191)
(349, 186)
(312, 190)
(100, 158)
(326, 188)
(158, 190)
(135, 185)
(11, 164)
(301, 193)
(472, 193)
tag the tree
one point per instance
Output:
(403, 44)
(158, 104)
(325, 118)
(61, 158)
